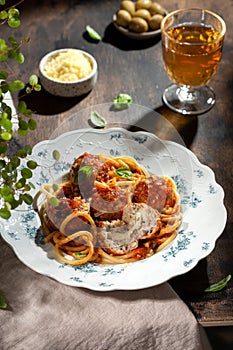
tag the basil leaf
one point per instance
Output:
(219, 285)
(93, 33)
(56, 154)
(80, 255)
(122, 101)
(3, 304)
(84, 173)
(124, 173)
(54, 201)
(98, 120)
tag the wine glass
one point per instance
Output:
(192, 41)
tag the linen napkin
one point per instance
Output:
(45, 314)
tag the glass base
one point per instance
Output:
(188, 100)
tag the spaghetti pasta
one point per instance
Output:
(110, 211)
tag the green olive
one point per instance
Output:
(156, 9)
(138, 25)
(155, 22)
(143, 4)
(123, 18)
(128, 6)
(143, 13)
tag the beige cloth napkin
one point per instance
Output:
(45, 314)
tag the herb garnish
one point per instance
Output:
(98, 120)
(54, 201)
(80, 255)
(83, 174)
(56, 154)
(124, 173)
(3, 304)
(93, 33)
(219, 285)
(122, 101)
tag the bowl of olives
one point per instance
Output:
(140, 19)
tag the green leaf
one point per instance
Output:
(6, 124)
(15, 161)
(33, 80)
(2, 163)
(31, 164)
(32, 185)
(3, 45)
(26, 173)
(19, 57)
(13, 12)
(6, 136)
(3, 148)
(4, 88)
(55, 187)
(28, 149)
(3, 74)
(84, 173)
(124, 173)
(32, 124)
(122, 101)
(80, 255)
(93, 33)
(23, 125)
(22, 106)
(16, 86)
(3, 57)
(13, 22)
(3, 304)
(5, 115)
(27, 198)
(37, 87)
(5, 213)
(2, 2)
(3, 15)
(28, 113)
(54, 201)
(98, 120)
(20, 184)
(27, 187)
(219, 285)
(5, 191)
(26, 39)
(13, 41)
(22, 132)
(56, 154)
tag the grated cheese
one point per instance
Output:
(68, 66)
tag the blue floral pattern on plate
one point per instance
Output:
(201, 198)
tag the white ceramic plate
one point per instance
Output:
(204, 215)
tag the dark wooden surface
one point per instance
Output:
(136, 68)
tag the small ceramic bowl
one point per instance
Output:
(67, 88)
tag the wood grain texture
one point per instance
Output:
(136, 68)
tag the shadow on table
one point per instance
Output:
(185, 125)
(168, 125)
(44, 103)
(119, 40)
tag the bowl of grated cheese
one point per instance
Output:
(68, 72)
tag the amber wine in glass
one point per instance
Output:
(192, 41)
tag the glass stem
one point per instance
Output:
(187, 94)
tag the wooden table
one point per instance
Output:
(136, 68)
